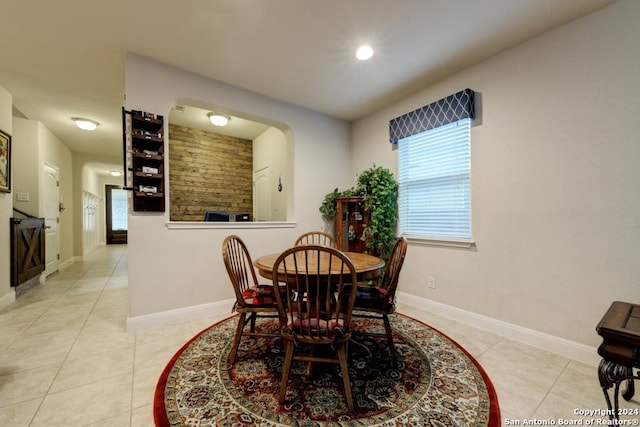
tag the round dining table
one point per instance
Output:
(368, 267)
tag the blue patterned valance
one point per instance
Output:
(450, 109)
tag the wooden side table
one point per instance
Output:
(620, 351)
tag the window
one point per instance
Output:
(434, 169)
(434, 182)
(119, 209)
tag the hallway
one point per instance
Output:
(66, 360)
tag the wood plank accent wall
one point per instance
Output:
(208, 172)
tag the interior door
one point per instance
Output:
(116, 217)
(51, 200)
(262, 195)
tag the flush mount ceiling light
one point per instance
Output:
(218, 119)
(364, 52)
(115, 173)
(85, 124)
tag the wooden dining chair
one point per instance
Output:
(378, 301)
(317, 238)
(315, 277)
(253, 300)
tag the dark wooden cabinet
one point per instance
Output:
(144, 160)
(351, 218)
(27, 249)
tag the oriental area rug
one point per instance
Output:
(435, 382)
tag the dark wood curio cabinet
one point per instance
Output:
(351, 218)
(144, 159)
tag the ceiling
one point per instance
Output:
(66, 58)
(196, 118)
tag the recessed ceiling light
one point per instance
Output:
(364, 52)
(115, 173)
(218, 119)
(85, 124)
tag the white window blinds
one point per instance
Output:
(434, 182)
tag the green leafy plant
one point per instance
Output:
(328, 206)
(379, 190)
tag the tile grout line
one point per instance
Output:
(555, 381)
(47, 393)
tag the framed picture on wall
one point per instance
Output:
(5, 162)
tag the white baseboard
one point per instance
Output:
(179, 315)
(7, 298)
(67, 263)
(571, 349)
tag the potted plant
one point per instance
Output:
(379, 190)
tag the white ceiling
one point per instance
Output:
(66, 58)
(195, 117)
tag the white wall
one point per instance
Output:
(94, 234)
(36, 146)
(25, 163)
(270, 149)
(7, 295)
(33, 145)
(555, 179)
(91, 218)
(53, 152)
(172, 269)
(85, 179)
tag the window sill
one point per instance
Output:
(442, 242)
(197, 225)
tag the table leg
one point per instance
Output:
(612, 374)
(630, 391)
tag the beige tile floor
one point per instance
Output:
(66, 359)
